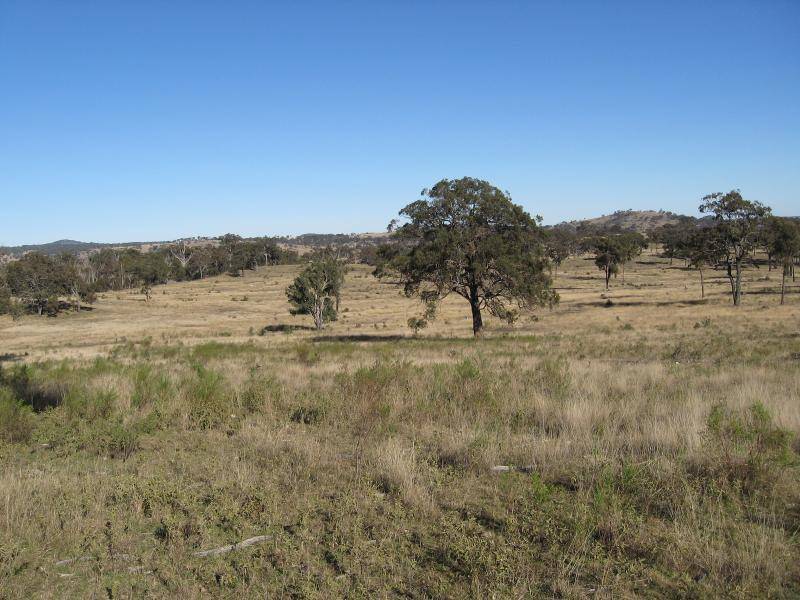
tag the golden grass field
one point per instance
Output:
(652, 444)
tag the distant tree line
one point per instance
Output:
(729, 239)
(42, 284)
(464, 237)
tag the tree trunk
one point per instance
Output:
(783, 283)
(318, 308)
(608, 275)
(737, 293)
(477, 320)
(702, 285)
(732, 282)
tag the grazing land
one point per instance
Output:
(648, 442)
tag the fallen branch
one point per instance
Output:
(223, 549)
(508, 468)
(69, 561)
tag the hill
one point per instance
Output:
(59, 246)
(629, 220)
(621, 220)
(53, 247)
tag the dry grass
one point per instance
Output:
(659, 440)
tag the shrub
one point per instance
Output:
(308, 415)
(553, 377)
(80, 403)
(398, 474)
(415, 324)
(256, 391)
(149, 388)
(746, 448)
(208, 402)
(467, 369)
(706, 322)
(120, 441)
(307, 353)
(16, 419)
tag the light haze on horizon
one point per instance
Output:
(147, 120)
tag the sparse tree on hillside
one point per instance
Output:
(784, 247)
(738, 222)
(230, 242)
(631, 245)
(268, 250)
(467, 237)
(317, 290)
(607, 255)
(704, 248)
(673, 238)
(561, 244)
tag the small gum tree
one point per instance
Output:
(784, 247)
(608, 254)
(317, 290)
(704, 248)
(467, 237)
(560, 243)
(631, 245)
(738, 222)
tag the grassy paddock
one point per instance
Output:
(653, 444)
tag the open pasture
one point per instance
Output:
(649, 443)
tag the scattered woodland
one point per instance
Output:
(472, 406)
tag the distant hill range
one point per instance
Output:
(630, 220)
(622, 220)
(74, 247)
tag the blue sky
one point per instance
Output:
(147, 119)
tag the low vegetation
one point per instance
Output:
(638, 440)
(653, 450)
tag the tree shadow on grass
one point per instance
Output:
(623, 303)
(360, 338)
(38, 397)
(284, 328)
(11, 357)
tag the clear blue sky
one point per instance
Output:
(153, 119)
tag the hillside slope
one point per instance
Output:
(629, 220)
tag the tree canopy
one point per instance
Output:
(738, 222)
(317, 290)
(467, 237)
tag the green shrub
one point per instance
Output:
(415, 324)
(89, 405)
(209, 403)
(307, 354)
(747, 448)
(149, 387)
(467, 369)
(257, 391)
(120, 441)
(16, 418)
